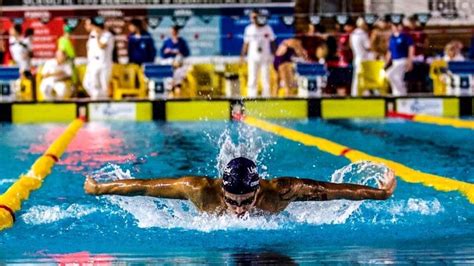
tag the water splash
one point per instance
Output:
(338, 211)
(165, 213)
(48, 214)
(250, 144)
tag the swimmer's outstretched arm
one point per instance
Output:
(308, 189)
(172, 188)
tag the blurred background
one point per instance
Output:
(320, 48)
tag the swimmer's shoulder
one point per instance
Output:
(202, 182)
(277, 183)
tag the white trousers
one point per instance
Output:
(396, 74)
(96, 80)
(52, 89)
(355, 70)
(252, 82)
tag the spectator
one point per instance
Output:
(420, 39)
(28, 40)
(141, 47)
(332, 57)
(175, 45)
(322, 54)
(360, 45)
(452, 52)
(99, 60)
(19, 50)
(284, 65)
(65, 44)
(56, 72)
(379, 39)
(179, 75)
(313, 40)
(401, 53)
(88, 25)
(259, 46)
(3, 43)
(344, 48)
(115, 49)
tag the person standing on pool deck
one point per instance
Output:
(241, 190)
(100, 46)
(401, 53)
(259, 47)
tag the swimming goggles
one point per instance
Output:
(242, 203)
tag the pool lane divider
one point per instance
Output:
(428, 119)
(407, 174)
(10, 201)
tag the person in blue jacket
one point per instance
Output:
(175, 45)
(141, 46)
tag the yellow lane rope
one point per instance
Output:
(10, 201)
(407, 174)
(443, 121)
(435, 120)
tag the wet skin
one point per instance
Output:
(272, 196)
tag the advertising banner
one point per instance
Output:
(112, 111)
(420, 106)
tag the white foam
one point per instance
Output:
(395, 211)
(250, 144)
(412, 206)
(7, 181)
(48, 214)
(424, 207)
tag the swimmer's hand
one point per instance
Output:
(389, 183)
(90, 186)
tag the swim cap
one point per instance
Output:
(240, 176)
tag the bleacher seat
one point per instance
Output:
(203, 81)
(155, 76)
(128, 81)
(371, 76)
(234, 69)
(314, 79)
(9, 82)
(438, 71)
(461, 78)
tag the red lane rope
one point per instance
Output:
(345, 151)
(400, 115)
(12, 213)
(54, 157)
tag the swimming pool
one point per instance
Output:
(60, 223)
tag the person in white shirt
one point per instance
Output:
(259, 46)
(19, 49)
(360, 45)
(99, 60)
(56, 72)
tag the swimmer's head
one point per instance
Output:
(240, 176)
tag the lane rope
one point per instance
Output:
(435, 120)
(10, 201)
(407, 174)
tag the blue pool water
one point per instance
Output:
(60, 223)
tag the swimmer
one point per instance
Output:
(241, 190)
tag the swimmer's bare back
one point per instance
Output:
(273, 195)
